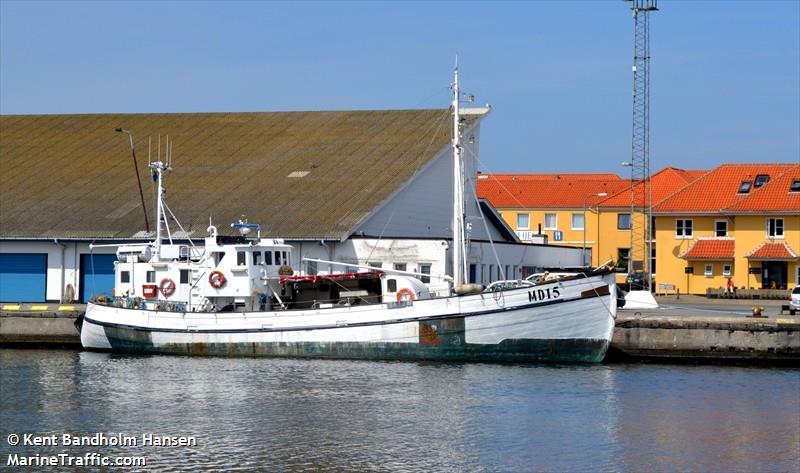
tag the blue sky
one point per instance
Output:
(725, 74)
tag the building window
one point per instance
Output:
(257, 257)
(623, 221)
(726, 270)
(125, 276)
(744, 187)
(577, 222)
(721, 228)
(523, 221)
(761, 179)
(795, 186)
(775, 227)
(709, 272)
(653, 261)
(425, 268)
(375, 264)
(623, 255)
(241, 258)
(683, 228)
(550, 222)
(151, 276)
(400, 266)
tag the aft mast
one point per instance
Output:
(459, 242)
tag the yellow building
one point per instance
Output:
(738, 222)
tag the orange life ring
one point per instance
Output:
(217, 279)
(167, 287)
(405, 292)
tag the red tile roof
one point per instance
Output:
(716, 249)
(773, 196)
(773, 251)
(718, 190)
(554, 177)
(664, 183)
(533, 193)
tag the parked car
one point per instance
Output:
(794, 301)
(636, 280)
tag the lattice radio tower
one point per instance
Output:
(641, 194)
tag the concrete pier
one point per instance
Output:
(36, 325)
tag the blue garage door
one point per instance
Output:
(97, 275)
(23, 277)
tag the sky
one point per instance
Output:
(725, 75)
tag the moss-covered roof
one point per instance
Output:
(71, 176)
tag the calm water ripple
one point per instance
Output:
(317, 415)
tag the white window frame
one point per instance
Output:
(783, 227)
(555, 219)
(682, 227)
(527, 225)
(727, 270)
(721, 220)
(630, 222)
(583, 219)
(709, 270)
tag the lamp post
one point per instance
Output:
(138, 179)
(585, 204)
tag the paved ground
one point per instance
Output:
(692, 306)
(12, 307)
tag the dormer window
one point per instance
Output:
(795, 187)
(744, 187)
(761, 179)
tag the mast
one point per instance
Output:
(158, 168)
(459, 243)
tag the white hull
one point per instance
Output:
(569, 320)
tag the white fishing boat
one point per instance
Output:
(239, 296)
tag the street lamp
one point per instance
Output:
(138, 179)
(585, 203)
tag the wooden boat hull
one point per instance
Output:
(516, 326)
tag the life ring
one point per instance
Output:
(167, 287)
(405, 294)
(217, 279)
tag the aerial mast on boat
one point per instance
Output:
(459, 250)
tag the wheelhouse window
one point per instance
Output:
(577, 222)
(184, 276)
(775, 227)
(285, 258)
(550, 221)
(745, 186)
(391, 285)
(257, 257)
(721, 228)
(268, 258)
(623, 221)
(400, 266)
(312, 267)
(425, 268)
(684, 228)
(761, 179)
(241, 258)
(375, 264)
(151, 276)
(277, 258)
(523, 221)
(125, 276)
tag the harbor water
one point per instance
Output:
(319, 415)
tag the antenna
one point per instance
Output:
(640, 258)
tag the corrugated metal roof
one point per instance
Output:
(72, 175)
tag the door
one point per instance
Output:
(97, 276)
(774, 273)
(23, 277)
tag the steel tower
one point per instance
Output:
(641, 192)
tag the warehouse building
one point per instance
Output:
(363, 187)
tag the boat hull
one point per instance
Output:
(512, 326)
